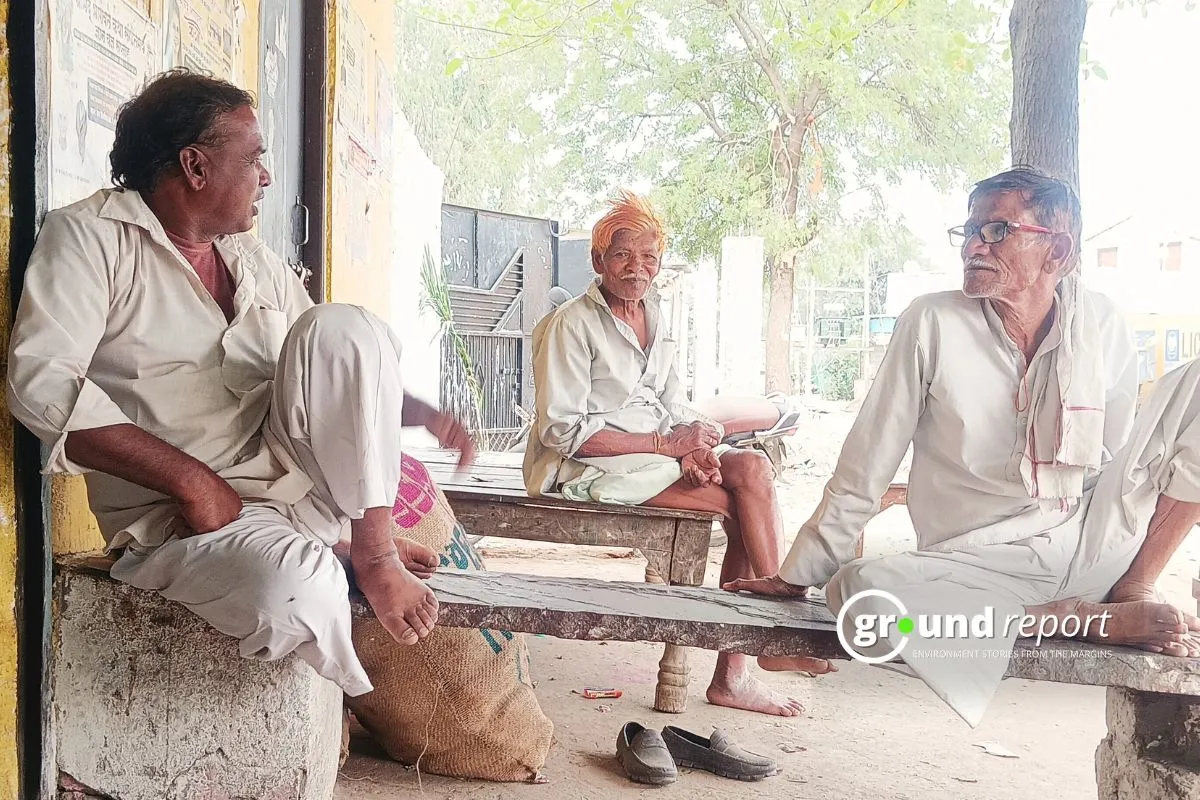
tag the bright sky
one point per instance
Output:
(1139, 130)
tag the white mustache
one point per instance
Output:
(977, 263)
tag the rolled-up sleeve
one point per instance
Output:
(60, 321)
(869, 459)
(563, 366)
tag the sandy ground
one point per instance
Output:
(866, 732)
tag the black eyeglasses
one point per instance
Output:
(990, 232)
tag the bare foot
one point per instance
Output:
(773, 586)
(1135, 591)
(751, 694)
(404, 605)
(812, 666)
(418, 559)
(1153, 626)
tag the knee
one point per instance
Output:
(330, 327)
(855, 577)
(300, 585)
(747, 469)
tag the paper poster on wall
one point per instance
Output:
(385, 118)
(354, 92)
(103, 51)
(202, 35)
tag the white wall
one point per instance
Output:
(741, 349)
(417, 221)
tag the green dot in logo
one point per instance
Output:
(905, 625)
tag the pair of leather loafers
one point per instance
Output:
(653, 758)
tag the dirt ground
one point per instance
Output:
(866, 732)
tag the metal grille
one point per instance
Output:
(495, 359)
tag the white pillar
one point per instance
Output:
(741, 336)
(706, 331)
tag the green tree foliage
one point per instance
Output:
(781, 118)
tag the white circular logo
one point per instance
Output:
(874, 626)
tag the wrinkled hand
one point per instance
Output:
(701, 468)
(683, 439)
(773, 586)
(451, 434)
(209, 504)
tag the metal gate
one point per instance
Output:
(495, 362)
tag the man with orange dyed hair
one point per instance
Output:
(612, 425)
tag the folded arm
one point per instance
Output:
(61, 320)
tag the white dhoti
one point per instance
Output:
(270, 577)
(965, 670)
(1082, 558)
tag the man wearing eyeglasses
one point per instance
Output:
(1013, 393)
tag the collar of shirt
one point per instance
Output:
(650, 301)
(124, 205)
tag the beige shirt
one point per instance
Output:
(948, 385)
(114, 327)
(591, 373)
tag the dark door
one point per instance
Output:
(284, 217)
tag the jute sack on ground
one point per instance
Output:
(461, 700)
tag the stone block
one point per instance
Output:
(150, 703)
(1152, 751)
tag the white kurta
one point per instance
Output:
(949, 385)
(591, 373)
(298, 409)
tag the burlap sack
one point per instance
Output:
(460, 701)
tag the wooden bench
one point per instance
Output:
(1151, 752)
(490, 499)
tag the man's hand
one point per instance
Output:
(683, 439)
(209, 504)
(701, 467)
(451, 434)
(773, 586)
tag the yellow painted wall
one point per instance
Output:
(9, 778)
(359, 218)
(1150, 331)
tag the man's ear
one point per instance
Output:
(194, 166)
(597, 261)
(1060, 258)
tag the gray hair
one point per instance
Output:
(1053, 201)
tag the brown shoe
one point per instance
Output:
(645, 756)
(718, 755)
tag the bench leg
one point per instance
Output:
(671, 693)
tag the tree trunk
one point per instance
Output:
(781, 279)
(1046, 36)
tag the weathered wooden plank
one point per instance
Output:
(519, 498)
(580, 608)
(485, 517)
(1097, 665)
(689, 559)
(588, 609)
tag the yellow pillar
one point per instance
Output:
(9, 780)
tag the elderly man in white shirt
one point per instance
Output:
(229, 431)
(1013, 393)
(612, 424)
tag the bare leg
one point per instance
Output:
(754, 525)
(1172, 521)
